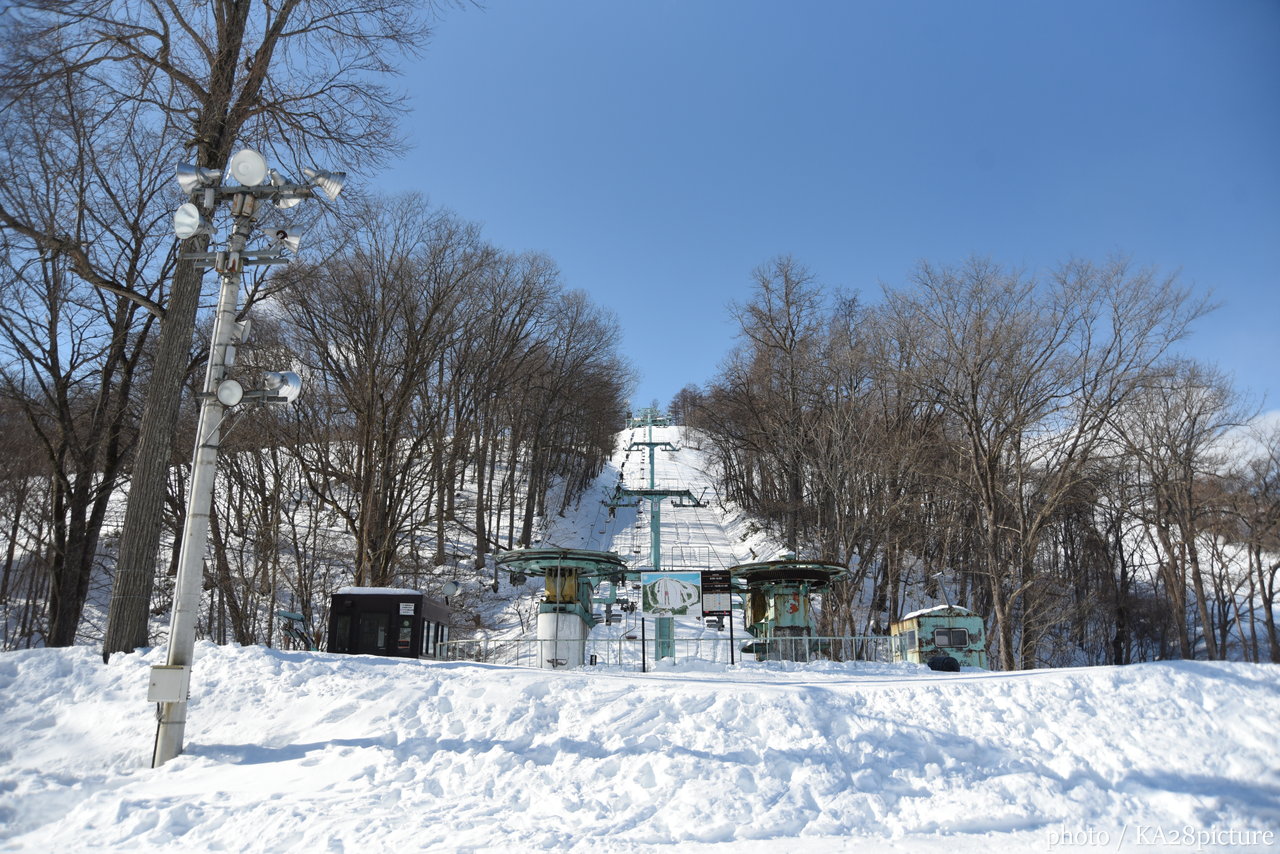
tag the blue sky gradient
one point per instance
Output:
(660, 151)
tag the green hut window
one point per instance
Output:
(951, 637)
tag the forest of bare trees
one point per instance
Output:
(1031, 448)
(100, 102)
(432, 359)
(455, 393)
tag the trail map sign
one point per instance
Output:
(671, 592)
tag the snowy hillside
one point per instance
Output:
(697, 537)
(317, 752)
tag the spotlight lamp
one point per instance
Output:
(283, 200)
(331, 182)
(248, 167)
(289, 238)
(187, 222)
(230, 392)
(192, 178)
(282, 386)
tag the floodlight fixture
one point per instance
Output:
(192, 178)
(230, 392)
(331, 182)
(282, 386)
(289, 238)
(187, 222)
(257, 184)
(286, 200)
(248, 167)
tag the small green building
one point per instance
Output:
(944, 630)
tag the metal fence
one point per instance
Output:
(632, 653)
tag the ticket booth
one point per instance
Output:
(386, 621)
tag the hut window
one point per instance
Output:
(951, 637)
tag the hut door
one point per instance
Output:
(372, 634)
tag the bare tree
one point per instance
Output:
(303, 75)
(72, 352)
(371, 327)
(781, 333)
(960, 430)
(1259, 496)
(1031, 375)
(1173, 431)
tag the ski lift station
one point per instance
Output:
(941, 631)
(565, 617)
(775, 597)
(779, 608)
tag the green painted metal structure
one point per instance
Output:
(778, 602)
(627, 496)
(624, 496)
(649, 417)
(565, 616)
(570, 576)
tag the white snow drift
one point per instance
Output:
(293, 751)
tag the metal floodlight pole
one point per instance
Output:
(170, 683)
(190, 580)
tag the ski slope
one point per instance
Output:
(692, 537)
(708, 536)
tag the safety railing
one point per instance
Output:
(633, 653)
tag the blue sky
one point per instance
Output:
(660, 151)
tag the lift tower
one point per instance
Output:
(655, 494)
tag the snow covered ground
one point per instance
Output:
(293, 751)
(299, 751)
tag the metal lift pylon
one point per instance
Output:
(630, 496)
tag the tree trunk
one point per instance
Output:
(1202, 600)
(128, 616)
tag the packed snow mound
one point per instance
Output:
(294, 751)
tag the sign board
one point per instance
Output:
(717, 593)
(671, 592)
(407, 609)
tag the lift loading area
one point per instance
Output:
(771, 601)
(687, 589)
